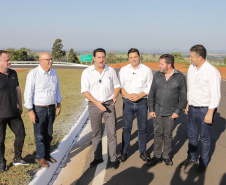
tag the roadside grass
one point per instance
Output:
(72, 103)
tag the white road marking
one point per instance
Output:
(101, 168)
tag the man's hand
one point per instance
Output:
(134, 97)
(32, 116)
(208, 118)
(114, 100)
(174, 116)
(100, 106)
(20, 110)
(58, 109)
(186, 109)
(152, 114)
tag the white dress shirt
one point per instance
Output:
(41, 88)
(136, 80)
(100, 86)
(204, 86)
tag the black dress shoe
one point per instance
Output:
(154, 161)
(95, 162)
(124, 157)
(114, 165)
(168, 162)
(144, 156)
(200, 169)
(3, 167)
(186, 162)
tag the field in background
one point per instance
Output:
(72, 105)
(183, 67)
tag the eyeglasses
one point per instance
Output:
(48, 59)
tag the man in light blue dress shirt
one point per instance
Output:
(42, 99)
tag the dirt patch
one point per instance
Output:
(183, 67)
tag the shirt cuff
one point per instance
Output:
(30, 106)
(151, 109)
(84, 90)
(177, 111)
(117, 86)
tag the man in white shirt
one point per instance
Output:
(203, 83)
(135, 79)
(100, 86)
(42, 99)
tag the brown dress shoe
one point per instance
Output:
(51, 159)
(43, 163)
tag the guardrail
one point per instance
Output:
(37, 62)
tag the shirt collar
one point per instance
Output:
(93, 67)
(8, 71)
(175, 71)
(130, 66)
(43, 72)
(203, 65)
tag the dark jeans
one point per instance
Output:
(43, 130)
(17, 126)
(196, 127)
(130, 109)
(163, 128)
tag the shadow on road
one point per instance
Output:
(142, 176)
(192, 177)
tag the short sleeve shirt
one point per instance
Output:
(8, 94)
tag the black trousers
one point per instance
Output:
(17, 126)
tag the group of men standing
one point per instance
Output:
(42, 99)
(166, 95)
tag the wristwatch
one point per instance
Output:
(29, 110)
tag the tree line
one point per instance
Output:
(59, 54)
(24, 54)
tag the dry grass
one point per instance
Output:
(71, 104)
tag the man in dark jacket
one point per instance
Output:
(167, 98)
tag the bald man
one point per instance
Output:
(42, 99)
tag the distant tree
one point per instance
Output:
(177, 55)
(141, 58)
(57, 51)
(11, 53)
(224, 60)
(22, 54)
(120, 59)
(72, 57)
(111, 58)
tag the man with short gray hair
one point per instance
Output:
(10, 111)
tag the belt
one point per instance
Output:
(198, 107)
(105, 101)
(108, 101)
(52, 105)
(134, 101)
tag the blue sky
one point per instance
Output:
(113, 25)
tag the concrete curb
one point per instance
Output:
(44, 175)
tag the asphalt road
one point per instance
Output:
(134, 171)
